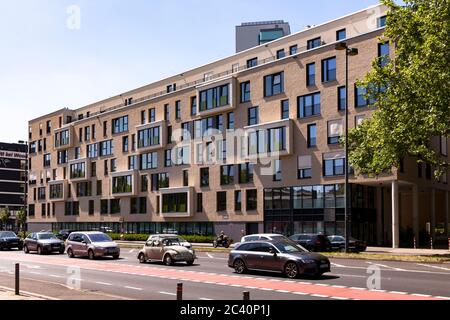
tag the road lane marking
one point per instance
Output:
(385, 266)
(205, 299)
(104, 283)
(167, 293)
(54, 276)
(210, 255)
(134, 288)
(131, 251)
(434, 267)
(337, 265)
(34, 272)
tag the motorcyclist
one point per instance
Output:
(221, 237)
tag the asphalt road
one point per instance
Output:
(209, 278)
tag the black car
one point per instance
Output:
(43, 242)
(338, 244)
(279, 256)
(9, 240)
(64, 234)
(312, 242)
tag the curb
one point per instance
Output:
(28, 294)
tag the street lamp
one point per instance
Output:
(348, 52)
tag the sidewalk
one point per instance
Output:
(407, 251)
(8, 294)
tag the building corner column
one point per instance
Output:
(395, 215)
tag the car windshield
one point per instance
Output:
(289, 247)
(280, 237)
(171, 242)
(7, 234)
(100, 237)
(46, 236)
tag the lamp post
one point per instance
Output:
(348, 52)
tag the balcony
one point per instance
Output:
(217, 97)
(152, 136)
(79, 170)
(58, 191)
(124, 184)
(64, 138)
(177, 202)
(269, 140)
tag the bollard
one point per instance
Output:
(415, 243)
(431, 243)
(449, 243)
(17, 279)
(179, 291)
(246, 295)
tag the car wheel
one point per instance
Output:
(291, 270)
(115, 257)
(190, 262)
(239, 266)
(61, 251)
(142, 258)
(25, 249)
(39, 250)
(70, 253)
(20, 248)
(168, 260)
(91, 255)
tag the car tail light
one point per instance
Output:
(317, 242)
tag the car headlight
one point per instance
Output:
(308, 261)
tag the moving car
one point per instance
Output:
(263, 236)
(279, 256)
(9, 240)
(43, 242)
(167, 249)
(182, 241)
(338, 244)
(91, 245)
(312, 242)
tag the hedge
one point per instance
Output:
(144, 237)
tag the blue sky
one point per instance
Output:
(121, 45)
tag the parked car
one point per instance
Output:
(312, 242)
(338, 244)
(167, 249)
(9, 240)
(43, 242)
(64, 234)
(92, 245)
(182, 241)
(263, 236)
(279, 256)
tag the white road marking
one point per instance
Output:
(167, 293)
(319, 296)
(337, 265)
(385, 266)
(104, 283)
(339, 298)
(54, 276)
(34, 272)
(434, 267)
(398, 292)
(210, 255)
(132, 250)
(205, 299)
(134, 288)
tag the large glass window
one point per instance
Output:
(122, 184)
(92, 150)
(312, 135)
(277, 139)
(309, 105)
(106, 148)
(149, 137)
(335, 131)
(227, 175)
(274, 84)
(246, 173)
(333, 167)
(314, 43)
(311, 74)
(120, 125)
(214, 97)
(149, 161)
(78, 170)
(329, 69)
(204, 177)
(175, 203)
(285, 109)
(251, 199)
(245, 91)
(56, 191)
(62, 138)
(221, 201)
(84, 189)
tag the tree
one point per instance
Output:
(411, 90)
(21, 217)
(4, 217)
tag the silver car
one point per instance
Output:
(92, 245)
(167, 249)
(182, 241)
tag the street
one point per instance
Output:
(58, 277)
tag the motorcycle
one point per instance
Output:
(222, 242)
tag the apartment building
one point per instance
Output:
(245, 144)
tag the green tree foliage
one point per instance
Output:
(414, 106)
(4, 216)
(21, 218)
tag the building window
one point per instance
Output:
(87, 133)
(329, 69)
(214, 98)
(246, 173)
(120, 125)
(93, 131)
(199, 202)
(143, 115)
(221, 201)
(333, 167)
(251, 199)
(341, 35)
(47, 160)
(245, 91)
(281, 54)
(185, 178)
(276, 139)
(428, 171)
(149, 137)
(285, 109)
(175, 202)
(182, 156)
(253, 116)
(104, 207)
(304, 167)
(132, 163)
(113, 165)
(335, 130)
(122, 184)
(80, 135)
(383, 54)
(293, 50)
(237, 200)
(56, 191)
(277, 170)
(443, 145)
(230, 121)
(309, 105)
(312, 135)
(204, 177)
(78, 170)
(149, 161)
(311, 74)
(106, 148)
(77, 153)
(114, 206)
(151, 115)
(381, 22)
(99, 187)
(193, 106)
(314, 43)
(178, 109)
(125, 144)
(166, 112)
(273, 84)
(138, 205)
(84, 189)
(168, 158)
(93, 169)
(342, 93)
(227, 175)
(144, 183)
(360, 97)
(252, 63)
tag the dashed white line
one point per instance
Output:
(205, 299)
(134, 288)
(434, 267)
(210, 256)
(104, 283)
(319, 296)
(398, 292)
(54, 276)
(339, 298)
(385, 266)
(337, 265)
(167, 293)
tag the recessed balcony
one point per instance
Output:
(177, 202)
(152, 136)
(124, 184)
